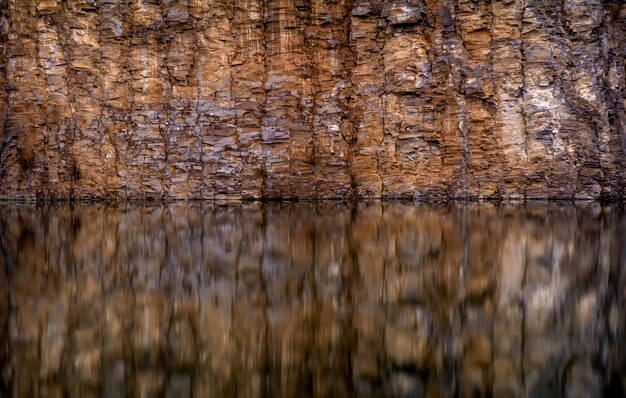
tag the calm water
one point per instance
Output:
(324, 300)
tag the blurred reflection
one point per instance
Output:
(324, 300)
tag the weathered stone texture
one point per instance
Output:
(312, 99)
(323, 300)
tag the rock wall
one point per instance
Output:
(312, 300)
(312, 98)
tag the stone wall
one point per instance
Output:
(312, 300)
(312, 98)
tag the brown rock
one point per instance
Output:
(312, 99)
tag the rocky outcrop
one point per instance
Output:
(286, 300)
(312, 98)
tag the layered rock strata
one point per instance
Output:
(312, 300)
(208, 99)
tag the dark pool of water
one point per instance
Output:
(324, 300)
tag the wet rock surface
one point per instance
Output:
(293, 300)
(291, 98)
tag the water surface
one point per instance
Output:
(324, 300)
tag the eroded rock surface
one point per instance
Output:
(312, 98)
(312, 300)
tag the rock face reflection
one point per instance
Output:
(322, 300)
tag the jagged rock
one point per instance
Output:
(313, 99)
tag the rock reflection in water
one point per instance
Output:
(293, 300)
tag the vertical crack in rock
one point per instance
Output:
(196, 168)
(614, 79)
(328, 72)
(348, 134)
(4, 100)
(367, 110)
(249, 92)
(263, 104)
(312, 99)
(165, 40)
(123, 98)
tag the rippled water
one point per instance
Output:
(325, 300)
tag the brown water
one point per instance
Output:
(324, 300)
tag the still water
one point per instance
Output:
(324, 300)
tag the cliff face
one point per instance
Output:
(317, 98)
